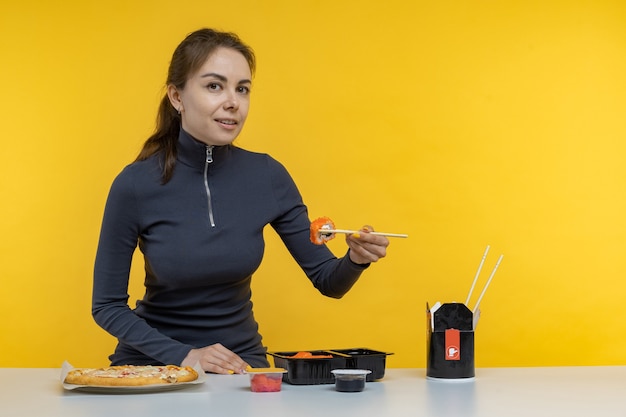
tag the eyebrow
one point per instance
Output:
(222, 78)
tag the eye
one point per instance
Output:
(214, 86)
(242, 89)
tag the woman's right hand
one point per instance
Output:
(216, 359)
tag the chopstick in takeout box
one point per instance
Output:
(475, 311)
(482, 293)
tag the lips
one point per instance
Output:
(228, 122)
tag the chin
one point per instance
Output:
(224, 141)
(220, 141)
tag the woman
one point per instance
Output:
(196, 206)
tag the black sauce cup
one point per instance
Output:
(350, 380)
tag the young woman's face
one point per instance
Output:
(214, 103)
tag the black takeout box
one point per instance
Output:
(315, 371)
(450, 342)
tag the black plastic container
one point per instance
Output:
(315, 371)
(372, 360)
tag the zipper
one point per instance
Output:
(208, 160)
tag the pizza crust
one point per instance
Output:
(131, 375)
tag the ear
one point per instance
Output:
(175, 98)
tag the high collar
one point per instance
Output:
(192, 152)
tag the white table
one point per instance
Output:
(497, 392)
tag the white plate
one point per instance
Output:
(129, 390)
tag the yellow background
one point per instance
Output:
(461, 123)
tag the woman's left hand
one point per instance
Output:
(366, 247)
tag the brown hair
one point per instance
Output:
(188, 57)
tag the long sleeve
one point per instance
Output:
(331, 276)
(110, 309)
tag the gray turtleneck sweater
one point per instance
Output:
(201, 235)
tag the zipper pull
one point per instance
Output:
(209, 154)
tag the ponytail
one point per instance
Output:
(163, 140)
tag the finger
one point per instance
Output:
(365, 253)
(221, 367)
(231, 366)
(222, 360)
(365, 229)
(371, 255)
(372, 243)
(370, 237)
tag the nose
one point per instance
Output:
(231, 101)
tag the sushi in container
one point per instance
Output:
(315, 367)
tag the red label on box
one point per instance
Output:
(453, 345)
